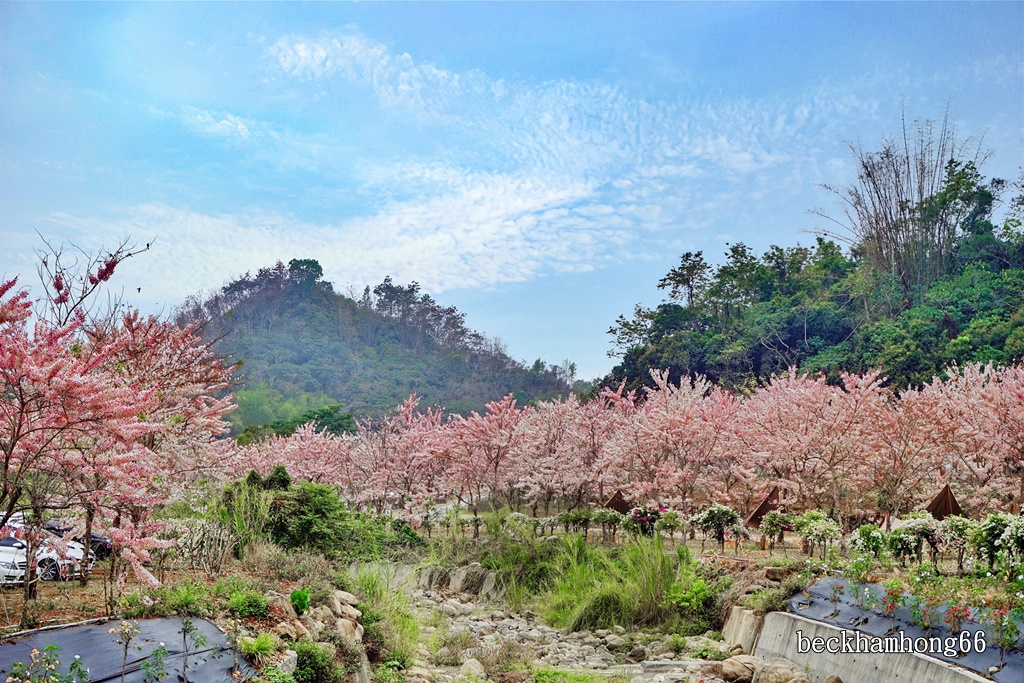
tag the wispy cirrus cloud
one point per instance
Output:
(487, 230)
(218, 125)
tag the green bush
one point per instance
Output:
(249, 604)
(271, 674)
(300, 600)
(775, 599)
(715, 520)
(187, 598)
(314, 665)
(550, 675)
(388, 672)
(312, 517)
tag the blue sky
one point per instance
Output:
(538, 165)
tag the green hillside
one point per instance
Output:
(936, 284)
(304, 346)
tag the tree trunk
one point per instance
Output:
(87, 542)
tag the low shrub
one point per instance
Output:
(187, 598)
(347, 654)
(448, 646)
(314, 665)
(249, 604)
(312, 517)
(551, 675)
(388, 672)
(508, 655)
(271, 674)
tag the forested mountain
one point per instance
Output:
(304, 346)
(928, 280)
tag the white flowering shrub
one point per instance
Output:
(912, 536)
(869, 539)
(1011, 546)
(985, 538)
(818, 530)
(956, 531)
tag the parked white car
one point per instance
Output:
(12, 560)
(55, 557)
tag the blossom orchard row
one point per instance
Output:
(847, 447)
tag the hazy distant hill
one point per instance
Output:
(304, 346)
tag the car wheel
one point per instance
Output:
(48, 570)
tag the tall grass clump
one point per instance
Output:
(594, 588)
(638, 584)
(392, 632)
(521, 560)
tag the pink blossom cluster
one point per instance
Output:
(850, 446)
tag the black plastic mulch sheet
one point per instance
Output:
(871, 622)
(207, 663)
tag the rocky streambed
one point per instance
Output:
(461, 631)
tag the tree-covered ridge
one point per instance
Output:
(304, 346)
(824, 309)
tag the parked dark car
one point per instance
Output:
(101, 546)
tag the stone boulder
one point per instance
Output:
(491, 590)
(433, 578)
(291, 629)
(417, 673)
(350, 612)
(713, 669)
(345, 598)
(283, 601)
(322, 613)
(637, 654)
(290, 661)
(778, 671)
(347, 629)
(739, 669)
(614, 641)
(472, 667)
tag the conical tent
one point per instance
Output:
(618, 503)
(770, 502)
(944, 504)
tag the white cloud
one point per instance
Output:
(222, 125)
(486, 230)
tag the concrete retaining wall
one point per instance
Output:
(742, 628)
(778, 639)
